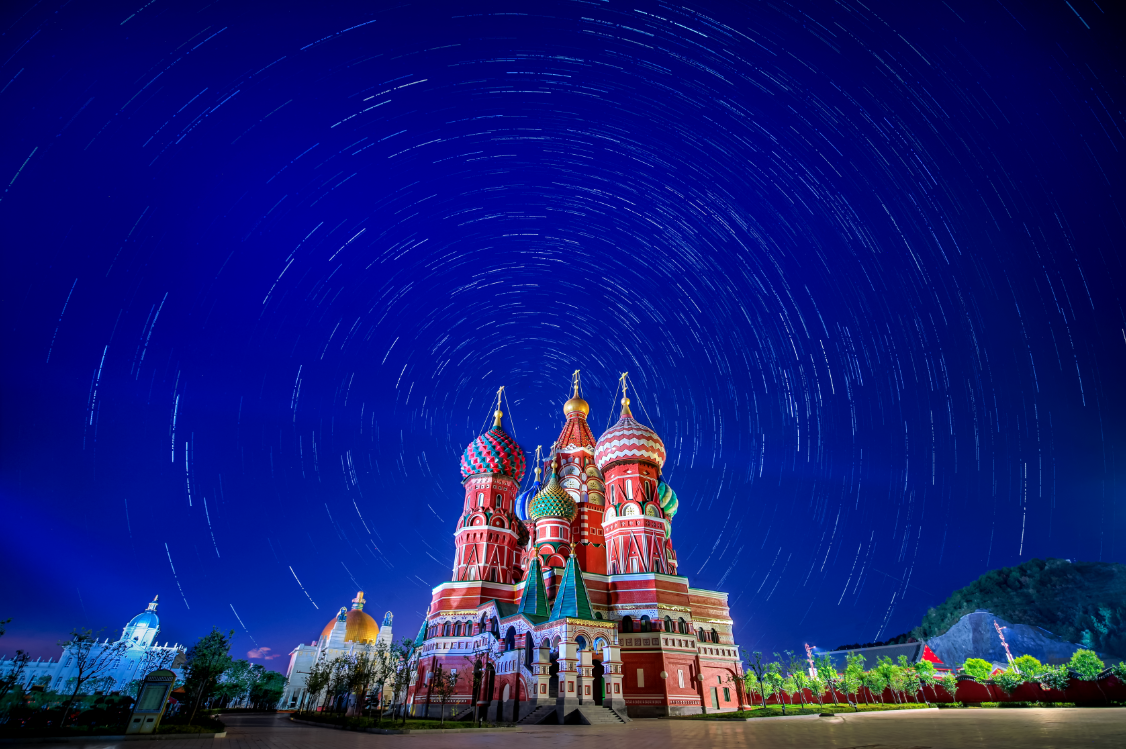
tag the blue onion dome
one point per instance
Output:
(553, 502)
(494, 452)
(524, 498)
(667, 499)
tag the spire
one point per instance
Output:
(358, 601)
(152, 606)
(576, 405)
(498, 414)
(625, 396)
(534, 601)
(572, 599)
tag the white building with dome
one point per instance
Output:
(140, 655)
(351, 631)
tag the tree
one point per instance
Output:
(1119, 670)
(754, 685)
(796, 666)
(757, 669)
(828, 673)
(399, 658)
(14, 674)
(267, 688)
(206, 662)
(876, 684)
(817, 688)
(949, 682)
(773, 676)
(886, 669)
(853, 679)
(91, 660)
(978, 668)
(234, 684)
(443, 683)
(1028, 665)
(911, 682)
(926, 675)
(320, 673)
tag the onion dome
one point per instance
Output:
(553, 502)
(494, 452)
(629, 439)
(667, 499)
(359, 627)
(524, 498)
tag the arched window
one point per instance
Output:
(645, 624)
(580, 643)
(457, 629)
(627, 624)
(510, 639)
(629, 489)
(668, 624)
(682, 626)
(701, 635)
(715, 637)
(500, 500)
(480, 498)
(446, 629)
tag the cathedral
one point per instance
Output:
(565, 602)
(121, 664)
(351, 631)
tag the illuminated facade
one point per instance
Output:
(565, 602)
(351, 631)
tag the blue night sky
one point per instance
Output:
(266, 265)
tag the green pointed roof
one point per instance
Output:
(572, 599)
(534, 601)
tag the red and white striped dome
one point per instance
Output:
(629, 439)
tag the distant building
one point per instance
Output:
(141, 656)
(914, 651)
(349, 632)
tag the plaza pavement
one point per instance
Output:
(1025, 728)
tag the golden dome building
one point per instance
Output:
(350, 631)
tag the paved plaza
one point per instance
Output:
(923, 729)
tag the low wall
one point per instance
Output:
(1107, 688)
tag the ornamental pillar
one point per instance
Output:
(612, 676)
(568, 699)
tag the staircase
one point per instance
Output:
(465, 714)
(595, 715)
(543, 713)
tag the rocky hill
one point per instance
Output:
(974, 636)
(1043, 601)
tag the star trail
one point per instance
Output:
(266, 266)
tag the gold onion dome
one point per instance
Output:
(359, 627)
(576, 404)
(553, 502)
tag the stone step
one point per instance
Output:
(537, 716)
(596, 716)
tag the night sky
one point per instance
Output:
(266, 266)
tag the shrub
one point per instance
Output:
(1055, 677)
(978, 668)
(1086, 664)
(1028, 665)
(1009, 680)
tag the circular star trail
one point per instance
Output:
(266, 267)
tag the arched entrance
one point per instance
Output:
(553, 682)
(599, 685)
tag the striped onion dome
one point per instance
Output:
(553, 502)
(629, 439)
(494, 452)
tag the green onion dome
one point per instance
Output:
(553, 502)
(667, 497)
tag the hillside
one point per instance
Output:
(1081, 602)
